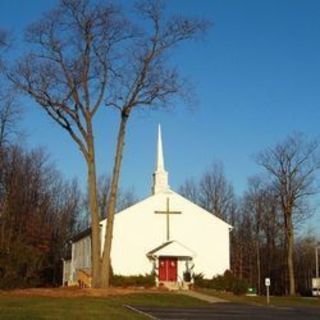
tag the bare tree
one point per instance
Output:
(304, 261)
(9, 111)
(215, 192)
(260, 203)
(67, 71)
(145, 79)
(104, 183)
(65, 202)
(10, 114)
(190, 190)
(125, 197)
(83, 54)
(3, 44)
(9, 117)
(254, 203)
(292, 165)
(38, 216)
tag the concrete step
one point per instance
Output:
(174, 285)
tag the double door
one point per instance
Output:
(168, 269)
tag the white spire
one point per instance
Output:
(160, 176)
(160, 161)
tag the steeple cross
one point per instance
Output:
(168, 213)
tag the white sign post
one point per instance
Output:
(267, 282)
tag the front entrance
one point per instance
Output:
(168, 267)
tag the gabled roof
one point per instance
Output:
(171, 249)
(80, 235)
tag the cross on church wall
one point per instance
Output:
(168, 213)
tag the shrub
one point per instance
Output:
(187, 276)
(147, 280)
(199, 281)
(226, 282)
(20, 268)
(239, 286)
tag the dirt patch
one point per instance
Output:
(74, 292)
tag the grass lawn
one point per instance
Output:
(262, 300)
(86, 308)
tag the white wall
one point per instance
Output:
(138, 230)
(82, 253)
(67, 272)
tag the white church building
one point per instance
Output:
(164, 233)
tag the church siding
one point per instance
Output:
(138, 230)
(82, 254)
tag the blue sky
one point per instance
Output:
(257, 79)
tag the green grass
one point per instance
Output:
(111, 308)
(262, 300)
(84, 308)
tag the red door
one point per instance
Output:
(168, 269)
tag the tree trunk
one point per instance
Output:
(258, 265)
(241, 263)
(290, 248)
(93, 206)
(111, 206)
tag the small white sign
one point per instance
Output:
(267, 282)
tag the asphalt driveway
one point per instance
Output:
(230, 311)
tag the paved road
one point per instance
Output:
(230, 311)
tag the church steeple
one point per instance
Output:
(160, 176)
(160, 161)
